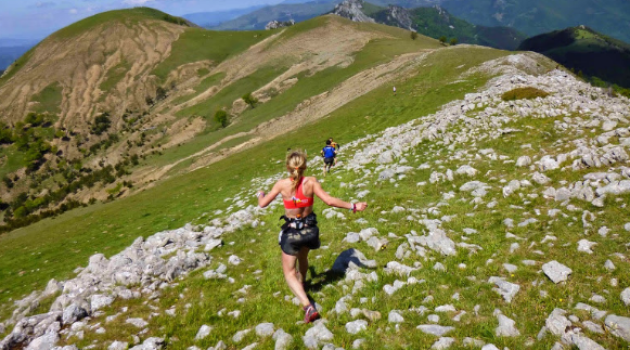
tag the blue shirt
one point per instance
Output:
(329, 152)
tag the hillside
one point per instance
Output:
(584, 50)
(485, 203)
(135, 98)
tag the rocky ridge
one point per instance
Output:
(352, 10)
(588, 114)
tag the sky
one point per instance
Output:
(35, 19)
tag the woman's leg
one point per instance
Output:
(290, 275)
(302, 259)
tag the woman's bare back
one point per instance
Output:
(287, 192)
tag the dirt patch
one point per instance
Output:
(184, 130)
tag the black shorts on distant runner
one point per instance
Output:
(329, 161)
(292, 240)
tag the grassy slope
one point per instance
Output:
(197, 44)
(375, 52)
(198, 301)
(53, 248)
(49, 99)
(116, 74)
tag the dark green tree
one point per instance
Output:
(221, 118)
(101, 124)
(250, 100)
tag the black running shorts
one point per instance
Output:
(329, 161)
(293, 240)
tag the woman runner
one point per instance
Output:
(300, 233)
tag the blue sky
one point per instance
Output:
(35, 19)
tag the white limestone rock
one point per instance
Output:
(506, 289)
(357, 326)
(556, 271)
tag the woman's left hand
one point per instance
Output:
(360, 206)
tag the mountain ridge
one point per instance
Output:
(433, 21)
(585, 51)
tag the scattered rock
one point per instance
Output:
(264, 329)
(443, 343)
(619, 326)
(506, 289)
(556, 271)
(506, 326)
(203, 332)
(357, 326)
(395, 317)
(434, 329)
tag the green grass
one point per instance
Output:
(526, 93)
(11, 160)
(114, 76)
(226, 96)
(204, 85)
(72, 237)
(197, 44)
(126, 16)
(49, 99)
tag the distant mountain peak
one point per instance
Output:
(352, 10)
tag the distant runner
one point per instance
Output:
(394, 90)
(329, 153)
(300, 233)
(336, 147)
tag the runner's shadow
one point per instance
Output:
(319, 280)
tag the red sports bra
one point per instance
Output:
(299, 200)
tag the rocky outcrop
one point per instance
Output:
(400, 17)
(352, 10)
(277, 24)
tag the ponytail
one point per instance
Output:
(296, 165)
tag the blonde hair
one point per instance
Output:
(296, 164)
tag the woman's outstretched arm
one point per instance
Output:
(335, 202)
(265, 199)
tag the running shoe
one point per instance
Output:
(310, 314)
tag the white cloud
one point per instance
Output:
(73, 11)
